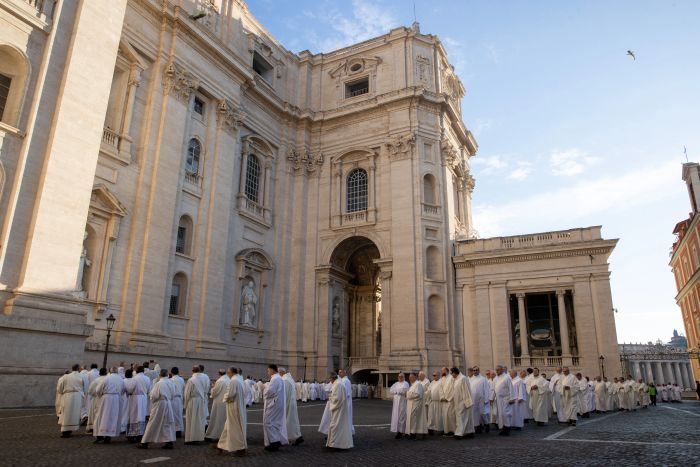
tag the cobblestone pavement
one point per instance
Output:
(665, 435)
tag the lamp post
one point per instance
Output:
(305, 358)
(110, 324)
(602, 365)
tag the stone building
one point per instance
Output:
(660, 363)
(685, 264)
(171, 164)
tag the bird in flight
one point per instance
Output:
(631, 54)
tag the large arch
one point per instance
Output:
(354, 305)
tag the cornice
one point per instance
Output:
(488, 258)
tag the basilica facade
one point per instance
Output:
(171, 164)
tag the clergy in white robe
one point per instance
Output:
(462, 402)
(136, 390)
(177, 402)
(71, 388)
(84, 405)
(415, 405)
(234, 435)
(610, 406)
(480, 392)
(58, 402)
(526, 376)
(518, 420)
(505, 398)
(537, 387)
(642, 391)
(348, 396)
(568, 388)
(161, 423)
(313, 391)
(339, 432)
(196, 409)
(108, 418)
(582, 395)
(600, 392)
(217, 416)
(92, 374)
(326, 389)
(425, 382)
(94, 399)
(630, 393)
(493, 404)
(250, 391)
(274, 412)
(305, 391)
(291, 413)
(298, 390)
(398, 391)
(556, 395)
(432, 395)
(448, 410)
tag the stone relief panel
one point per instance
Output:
(424, 72)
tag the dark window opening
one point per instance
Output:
(357, 88)
(262, 67)
(181, 239)
(198, 106)
(5, 82)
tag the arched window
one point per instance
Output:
(357, 191)
(183, 243)
(252, 179)
(433, 265)
(178, 295)
(429, 189)
(436, 314)
(14, 71)
(194, 149)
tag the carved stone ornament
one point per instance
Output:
(402, 147)
(451, 85)
(303, 161)
(424, 72)
(178, 82)
(448, 152)
(228, 116)
(354, 65)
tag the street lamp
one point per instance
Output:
(602, 365)
(110, 324)
(305, 368)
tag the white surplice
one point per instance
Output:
(137, 389)
(196, 409)
(415, 406)
(538, 387)
(448, 411)
(291, 412)
(161, 423)
(568, 388)
(348, 400)
(339, 432)
(234, 435)
(520, 402)
(177, 402)
(463, 403)
(217, 417)
(503, 388)
(434, 408)
(71, 388)
(398, 410)
(108, 419)
(274, 413)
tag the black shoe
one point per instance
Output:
(190, 443)
(412, 436)
(487, 428)
(540, 423)
(142, 446)
(469, 436)
(108, 439)
(210, 440)
(431, 432)
(478, 429)
(240, 453)
(66, 434)
(573, 423)
(99, 439)
(178, 434)
(298, 441)
(398, 436)
(503, 432)
(168, 445)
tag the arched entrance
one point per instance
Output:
(356, 306)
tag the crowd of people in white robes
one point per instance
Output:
(460, 406)
(153, 405)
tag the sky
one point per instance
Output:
(572, 131)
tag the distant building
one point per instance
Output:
(660, 363)
(679, 341)
(685, 264)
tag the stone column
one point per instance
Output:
(677, 374)
(689, 375)
(659, 374)
(563, 329)
(649, 372)
(636, 370)
(125, 137)
(385, 276)
(668, 374)
(522, 320)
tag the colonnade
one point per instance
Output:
(663, 371)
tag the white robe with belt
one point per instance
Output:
(161, 423)
(196, 410)
(432, 396)
(415, 405)
(136, 390)
(569, 397)
(217, 417)
(538, 387)
(274, 412)
(71, 388)
(177, 402)
(448, 409)
(398, 410)
(463, 402)
(480, 395)
(324, 426)
(291, 411)
(108, 419)
(348, 401)
(234, 435)
(339, 432)
(520, 402)
(503, 388)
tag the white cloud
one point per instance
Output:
(571, 162)
(369, 19)
(570, 206)
(488, 165)
(521, 171)
(482, 125)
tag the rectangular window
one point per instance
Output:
(5, 82)
(198, 107)
(181, 236)
(175, 300)
(357, 88)
(262, 67)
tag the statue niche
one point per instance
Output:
(249, 303)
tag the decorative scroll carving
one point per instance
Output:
(178, 82)
(303, 161)
(228, 116)
(353, 66)
(424, 72)
(402, 147)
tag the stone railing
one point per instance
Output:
(110, 138)
(193, 179)
(530, 241)
(253, 208)
(432, 210)
(546, 362)
(359, 216)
